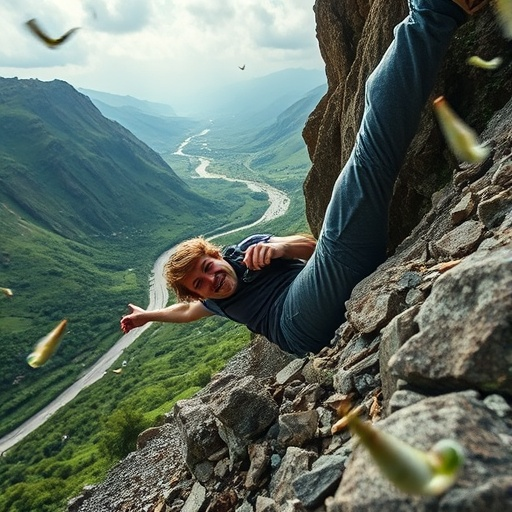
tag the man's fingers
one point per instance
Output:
(258, 256)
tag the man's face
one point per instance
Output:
(211, 278)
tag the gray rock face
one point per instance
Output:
(465, 328)
(198, 430)
(461, 416)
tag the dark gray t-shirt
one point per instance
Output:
(258, 299)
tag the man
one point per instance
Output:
(289, 288)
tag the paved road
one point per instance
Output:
(158, 298)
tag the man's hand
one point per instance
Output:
(260, 255)
(133, 319)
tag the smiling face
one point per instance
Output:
(211, 278)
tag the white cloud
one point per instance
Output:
(158, 49)
(119, 16)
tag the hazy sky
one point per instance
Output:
(160, 50)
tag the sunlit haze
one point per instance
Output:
(158, 50)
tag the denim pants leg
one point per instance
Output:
(354, 235)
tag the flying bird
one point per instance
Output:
(50, 42)
(241, 67)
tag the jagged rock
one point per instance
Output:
(465, 327)
(296, 428)
(251, 397)
(394, 335)
(499, 405)
(290, 372)
(402, 398)
(198, 430)
(223, 502)
(236, 429)
(344, 380)
(460, 241)
(196, 500)
(221, 468)
(308, 397)
(463, 209)
(313, 487)
(295, 462)
(372, 306)
(485, 476)
(265, 504)
(493, 211)
(75, 503)
(244, 507)
(259, 455)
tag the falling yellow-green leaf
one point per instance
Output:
(503, 10)
(461, 139)
(478, 62)
(46, 346)
(410, 469)
(7, 292)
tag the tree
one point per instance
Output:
(120, 432)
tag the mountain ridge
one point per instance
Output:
(156, 124)
(70, 179)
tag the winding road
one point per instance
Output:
(158, 298)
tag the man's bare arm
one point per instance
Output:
(182, 312)
(259, 255)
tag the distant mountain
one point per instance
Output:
(290, 122)
(66, 167)
(115, 100)
(260, 100)
(156, 124)
(282, 140)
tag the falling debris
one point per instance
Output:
(478, 62)
(411, 470)
(503, 9)
(51, 43)
(46, 346)
(242, 67)
(461, 139)
(7, 292)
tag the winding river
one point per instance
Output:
(158, 298)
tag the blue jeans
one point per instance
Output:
(353, 239)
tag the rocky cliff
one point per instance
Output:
(426, 349)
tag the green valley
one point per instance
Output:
(81, 226)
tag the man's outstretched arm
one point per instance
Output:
(182, 312)
(261, 254)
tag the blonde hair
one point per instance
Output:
(183, 260)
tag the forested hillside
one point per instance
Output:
(85, 209)
(71, 170)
